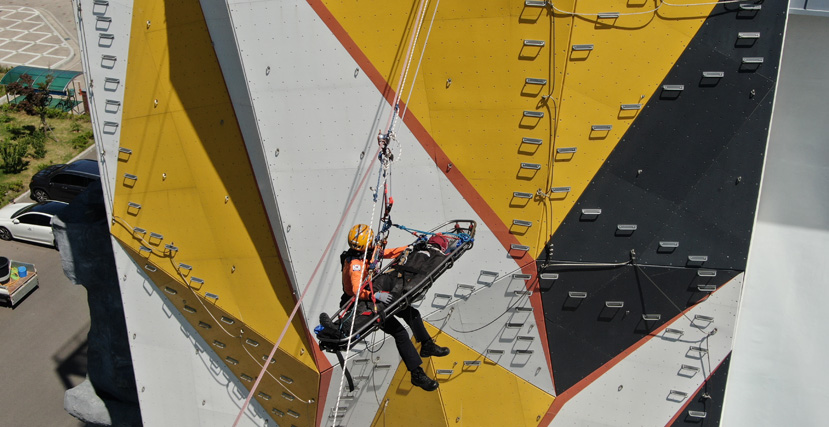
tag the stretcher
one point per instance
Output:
(333, 332)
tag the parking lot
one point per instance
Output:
(42, 343)
(43, 338)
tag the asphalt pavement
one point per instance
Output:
(43, 340)
(42, 343)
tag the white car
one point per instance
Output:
(31, 222)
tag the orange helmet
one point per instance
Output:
(360, 237)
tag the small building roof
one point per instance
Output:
(61, 80)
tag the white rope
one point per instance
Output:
(406, 63)
(354, 310)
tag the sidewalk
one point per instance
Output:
(32, 36)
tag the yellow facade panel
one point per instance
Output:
(407, 405)
(473, 391)
(191, 184)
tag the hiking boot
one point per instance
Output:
(431, 349)
(420, 379)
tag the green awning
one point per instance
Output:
(59, 84)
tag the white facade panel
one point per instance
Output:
(180, 380)
(105, 69)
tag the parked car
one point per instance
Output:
(31, 222)
(63, 182)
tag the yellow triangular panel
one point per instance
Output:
(477, 392)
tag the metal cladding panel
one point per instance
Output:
(187, 205)
(652, 382)
(372, 364)
(105, 69)
(496, 322)
(688, 170)
(318, 114)
(406, 404)
(781, 342)
(470, 387)
(176, 373)
(708, 401)
(595, 328)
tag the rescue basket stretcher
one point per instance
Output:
(460, 234)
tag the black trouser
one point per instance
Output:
(407, 350)
(392, 326)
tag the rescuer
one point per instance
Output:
(354, 268)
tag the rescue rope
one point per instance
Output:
(645, 12)
(307, 286)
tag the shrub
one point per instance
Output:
(37, 141)
(5, 118)
(54, 113)
(15, 131)
(12, 153)
(80, 141)
(9, 190)
(75, 126)
(16, 185)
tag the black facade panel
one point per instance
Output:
(688, 170)
(708, 400)
(585, 333)
(687, 175)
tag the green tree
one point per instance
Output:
(35, 99)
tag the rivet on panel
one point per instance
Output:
(276, 154)
(288, 228)
(232, 268)
(356, 72)
(448, 167)
(222, 122)
(163, 176)
(268, 70)
(620, 388)
(203, 402)
(301, 351)
(155, 103)
(148, 23)
(142, 389)
(227, 199)
(448, 83)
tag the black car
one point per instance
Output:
(63, 182)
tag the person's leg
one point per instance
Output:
(409, 354)
(412, 317)
(404, 345)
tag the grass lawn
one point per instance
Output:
(70, 135)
